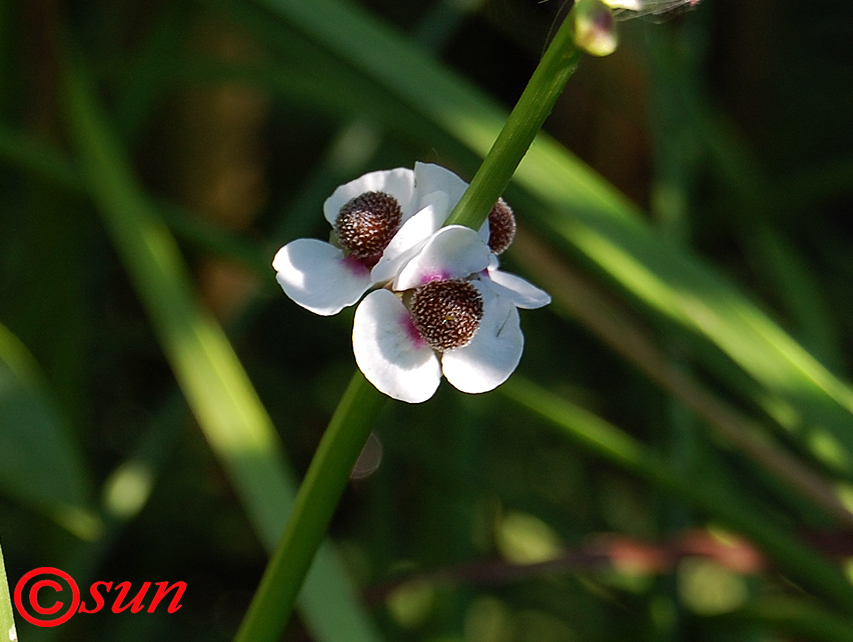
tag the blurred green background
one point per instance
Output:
(673, 459)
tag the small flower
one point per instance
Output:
(375, 231)
(449, 311)
(444, 306)
(501, 227)
(594, 28)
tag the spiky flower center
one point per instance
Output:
(447, 313)
(501, 227)
(366, 224)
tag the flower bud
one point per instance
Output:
(594, 27)
(502, 227)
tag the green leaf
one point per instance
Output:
(208, 371)
(7, 616)
(705, 492)
(40, 465)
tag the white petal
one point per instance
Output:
(485, 231)
(632, 5)
(493, 353)
(318, 277)
(454, 252)
(399, 183)
(521, 292)
(410, 238)
(434, 178)
(389, 351)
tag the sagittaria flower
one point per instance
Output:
(449, 311)
(380, 221)
(443, 305)
(369, 219)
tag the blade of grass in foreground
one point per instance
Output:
(589, 215)
(802, 563)
(7, 616)
(216, 386)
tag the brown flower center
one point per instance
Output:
(501, 227)
(366, 224)
(447, 313)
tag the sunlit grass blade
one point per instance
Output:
(702, 492)
(213, 381)
(575, 297)
(780, 264)
(7, 616)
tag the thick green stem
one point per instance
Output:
(545, 86)
(350, 426)
(315, 504)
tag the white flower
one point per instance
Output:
(444, 306)
(375, 231)
(450, 310)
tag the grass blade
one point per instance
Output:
(7, 616)
(217, 388)
(606, 441)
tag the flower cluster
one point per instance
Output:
(439, 302)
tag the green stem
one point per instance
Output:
(545, 86)
(350, 426)
(273, 602)
(315, 504)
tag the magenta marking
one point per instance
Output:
(356, 266)
(411, 331)
(434, 276)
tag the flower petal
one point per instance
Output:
(631, 5)
(493, 353)
(316, 275)
(389, 351)
(454, 252)
(431, 178)
(521, 292)
(485, 231)
(410, 238)
(399, 183)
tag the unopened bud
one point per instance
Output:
(594, 27)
